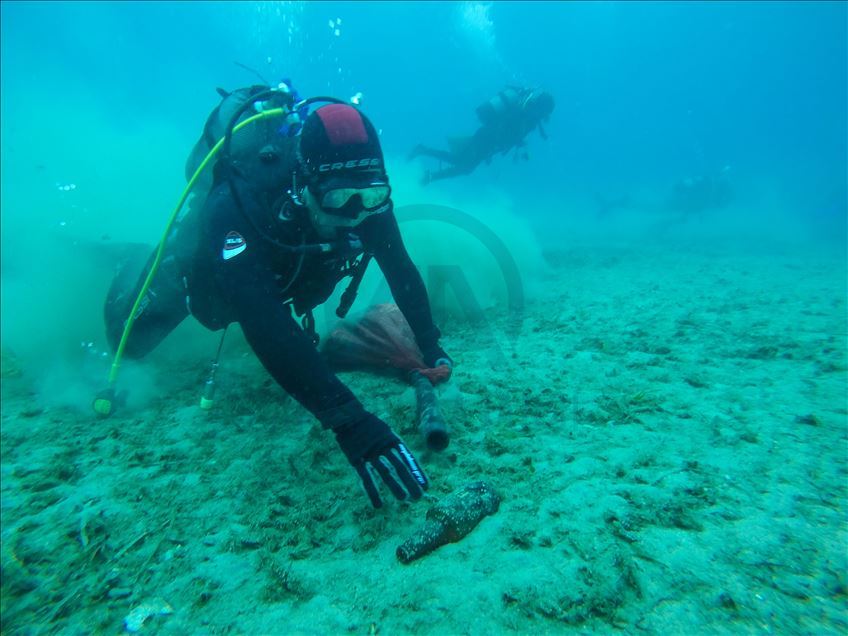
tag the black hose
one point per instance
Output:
(349, 294)
(430, 421)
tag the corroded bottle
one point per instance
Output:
(451, 519)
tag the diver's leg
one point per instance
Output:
(161, 309)
(448, 173)
(441, 155)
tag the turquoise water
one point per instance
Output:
(712, 329)
(109, 98)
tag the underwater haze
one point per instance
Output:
(645, 302)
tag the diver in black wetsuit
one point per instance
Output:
(693, 196)
(506, 120)
(277, 232)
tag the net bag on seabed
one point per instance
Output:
(381, 339)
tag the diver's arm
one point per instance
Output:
(248, 285)
(380, 235)
(289, 355)
(248, 282)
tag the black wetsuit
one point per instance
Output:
(499, 133)
(231, 273)
(253, 285)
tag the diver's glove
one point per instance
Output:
(371, 447)
(439, 364)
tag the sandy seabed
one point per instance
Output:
(667, 429)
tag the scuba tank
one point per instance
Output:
(489, 112)
(220, 120)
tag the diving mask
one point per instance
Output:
(348, 197)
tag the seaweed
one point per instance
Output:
(628, 408)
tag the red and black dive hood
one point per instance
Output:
(339, 141)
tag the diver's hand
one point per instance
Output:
(439, 364)
(372, 448)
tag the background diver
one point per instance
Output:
(506, 120)
(290, 211)
(688, 197)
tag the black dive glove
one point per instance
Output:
(371, 446)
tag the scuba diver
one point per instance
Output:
(290, 210)
(692, 196)
(506, 120)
